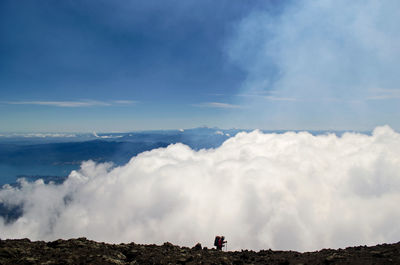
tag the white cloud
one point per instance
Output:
(40, 135)
(222, 133)
(382, 94)
(218, 105)
(281, 191)
(324, 48)
(48, 135)
(106, 136)
(268, 96)
(72, 104)
(280, 98)
(318, 50)
(124, 102)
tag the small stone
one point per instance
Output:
(197, 247)
(119, 255)
(238, 262)
(182, 260)
(131, 254)
(284, 262)
(168, 245)
(330, 258)
(376, 254)
(29, 260)
(7, 252)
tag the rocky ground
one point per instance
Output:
(83, 251)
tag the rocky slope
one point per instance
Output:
(83, 251)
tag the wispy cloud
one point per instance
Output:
(216, 94)
(71, 104)
(280, 98)
(268, 97)
(217, 105)
(307, 64)
(44, 135)
(384, 93)
(124, 102)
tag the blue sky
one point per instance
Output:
(132, 65)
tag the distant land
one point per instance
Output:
(54, 155)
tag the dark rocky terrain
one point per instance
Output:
(83, 251)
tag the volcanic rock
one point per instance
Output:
(84, 251)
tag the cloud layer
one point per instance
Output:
(281, 191)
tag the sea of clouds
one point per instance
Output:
(281, 191)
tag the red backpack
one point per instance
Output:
(217, 238)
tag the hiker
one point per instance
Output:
(216, 241)
(219, 242)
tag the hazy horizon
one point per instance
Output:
(71, 133)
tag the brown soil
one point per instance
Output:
(83, 251)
